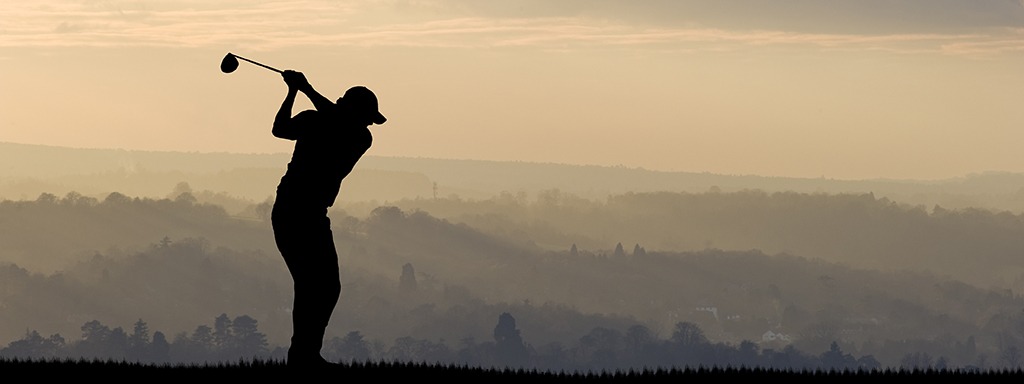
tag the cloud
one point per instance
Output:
(814, 16)
(277, 24)
(1011, 44)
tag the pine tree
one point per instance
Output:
(619, 251)
(138, 341)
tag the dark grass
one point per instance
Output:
(271, 370)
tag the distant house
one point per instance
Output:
(771, 337)
(713, 310)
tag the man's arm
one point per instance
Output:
(298, 80)
(283, 126)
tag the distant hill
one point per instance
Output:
(158, 270)
(27, 170)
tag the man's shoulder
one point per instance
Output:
(309, 113)
(311, 118)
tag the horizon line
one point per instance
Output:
(531, 162)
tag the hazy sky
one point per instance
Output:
(807, 88)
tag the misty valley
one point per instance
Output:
(549, 277)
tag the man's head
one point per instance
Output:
(361, 101)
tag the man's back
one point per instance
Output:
(326, 150)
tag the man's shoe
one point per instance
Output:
(310, 362)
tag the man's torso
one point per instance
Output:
(324, 154)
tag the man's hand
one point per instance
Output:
(295, 80)
(297, 83)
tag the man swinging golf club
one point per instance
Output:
(329, 140)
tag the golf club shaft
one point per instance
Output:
(262, 65)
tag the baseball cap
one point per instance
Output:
(363, 99)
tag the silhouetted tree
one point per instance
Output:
(75, 199)
(186, 199)
(351, 348)
(138, 341)
(599, 348)
(248, 340)
(688, 334)
(641, 345)
(117, 344)
(688, 344)
(117, 198)
(222, 337)
(835, 359)
(747, 354)
(46, 198)
(197, 347)
(638, 250)
(94, 340)
(34, 346)
(203, 337)
(387, 214)
(407, 282)
(619, 251)
(159, 349)
(228, 340)
(180, 189)
(509, 347)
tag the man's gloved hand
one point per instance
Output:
(295, 80)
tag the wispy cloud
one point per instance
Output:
(271, 25)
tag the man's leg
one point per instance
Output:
(307, 245)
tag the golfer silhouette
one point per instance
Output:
(329, 140)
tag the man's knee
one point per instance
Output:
(322, 285)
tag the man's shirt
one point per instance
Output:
(326, 150)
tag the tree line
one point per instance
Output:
(602, 349)
(464, 276)
(227, 340)
(856, 229)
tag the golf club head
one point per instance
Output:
(229, 63)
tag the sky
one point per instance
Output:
(913, 89)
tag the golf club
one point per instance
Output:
(230, 63)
